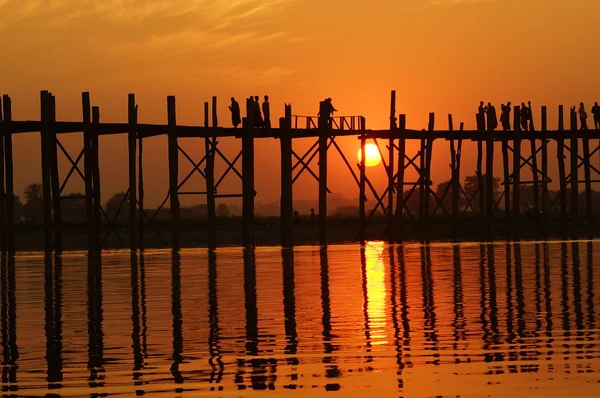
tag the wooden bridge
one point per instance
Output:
(391, 143)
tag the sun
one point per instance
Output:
(373, 156)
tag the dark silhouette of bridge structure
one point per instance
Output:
(574, 151)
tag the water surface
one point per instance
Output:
(440, 320)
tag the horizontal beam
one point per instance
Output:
(152, 130)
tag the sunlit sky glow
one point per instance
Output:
(440, 55)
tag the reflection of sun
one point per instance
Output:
(373, 156)
(376, 290)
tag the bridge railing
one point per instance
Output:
(335, 122)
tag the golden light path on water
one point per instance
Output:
(376, 291)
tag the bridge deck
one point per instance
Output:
(151, 130)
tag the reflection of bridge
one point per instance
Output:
(401, 202)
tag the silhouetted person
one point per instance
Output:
(596, 113)
(582, 117)
(492, 118)
(236, 118)
(266, 108)
(296, 217)
(505, 117)
(325, 114)
(525, 116)
(258, 119)
(481, 117)
(313, 216)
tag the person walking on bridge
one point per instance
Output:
(266, 108)
(582, 117)
(525, 116)
(596, 113)
(505, 117)
(492, 118)
(236, 118)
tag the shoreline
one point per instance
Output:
(194, 234)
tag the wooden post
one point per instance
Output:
(46, 188)
(209, 148)
(489, 194)
(544, 172)
(454, 180)
(96, 177)
(287, 205)
(2, 191)
(323, 138)
(560, 149)
(140, 192)
(390, 168)
(506, 169)
(87, 162)
(54, 178)
(588, 185)
(173, 172)
(422, 165)
(131, 143)
(248, 176)
(428, 158)
(574, 174)
(362, 193)
(400, 179)
(479, 171)
(534, 166)
(9, 179)
(516, 213)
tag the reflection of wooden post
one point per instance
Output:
(323, 136)
(87, 148)
(96, 177)
(9, 172)
(362, 194)
(400, 179)
(544, 172)
(131, 136)
(560, 148)
(173, 172)
(287, 205)
(516, 216)
(390, 168)
(574, 174)
(209, 172)
(54, 178)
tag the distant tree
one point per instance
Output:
(18, 208)
(447, 200)
(113, 205)
(347, 211)
(222, 210)
(33, 209)
(471, 186)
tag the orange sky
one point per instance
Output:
(440, 55)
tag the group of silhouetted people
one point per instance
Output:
(487, 119)
(583, 116)
(256, 117)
